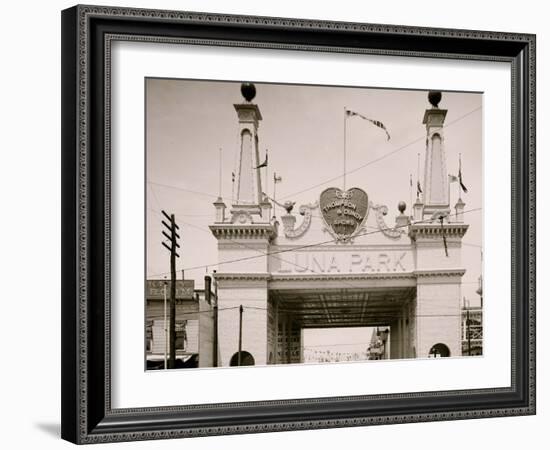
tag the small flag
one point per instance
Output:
(453, 178)
(376, 123)
(277, 179)
(462, 186)
(418, 188)
(232, 177)
(264, 164)
(410, 180)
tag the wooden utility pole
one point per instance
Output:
(165, 330)
(172, 236)
(240, 335)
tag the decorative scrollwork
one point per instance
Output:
(380, 212)
(305, 210)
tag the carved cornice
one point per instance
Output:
(342, 277)
(265, 276)
(248, 112)
(429, 273)
(252, 231)
(437, 231)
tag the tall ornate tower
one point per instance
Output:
(437, 240)
(249, 183)
(243, 244)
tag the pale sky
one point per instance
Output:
(189, 121)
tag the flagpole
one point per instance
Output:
(274, 194)
(418, 175)
(266, 182)
(220, 176)
(232, 187)
(345, 122)
(411, 190)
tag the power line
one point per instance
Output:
(206, 194)
(419, 139)
(283, 260)
(279, 258)
(379, 158)
(154, 195)
(468, 244)
(247, 246)
(207, 311)
(352, 314)
(317, 244)
(190, 313)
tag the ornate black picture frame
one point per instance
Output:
(87, 35)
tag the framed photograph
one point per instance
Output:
(281, 224)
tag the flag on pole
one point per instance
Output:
(462, 186)
(453, 178)
(418, 188)
(264, 164)
(232, 177)
(376, 123)
(277, 179)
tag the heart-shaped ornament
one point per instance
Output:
(344, 211)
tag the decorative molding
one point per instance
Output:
(305, 210)
(83, 180)
(380, 212)
(344, 276)
(249, 231)
(428, 273)
(241, 217)
(436, 231)
(307, 24)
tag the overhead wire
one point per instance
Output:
(305, 246)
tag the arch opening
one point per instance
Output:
(246, 359)
(439, 351)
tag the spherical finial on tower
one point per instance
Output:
(401, 206)
(248, 90)
(434, 97)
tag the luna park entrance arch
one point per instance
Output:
(336, 262)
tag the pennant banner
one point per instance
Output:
(376, 123)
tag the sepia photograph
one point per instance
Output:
(311, 224)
